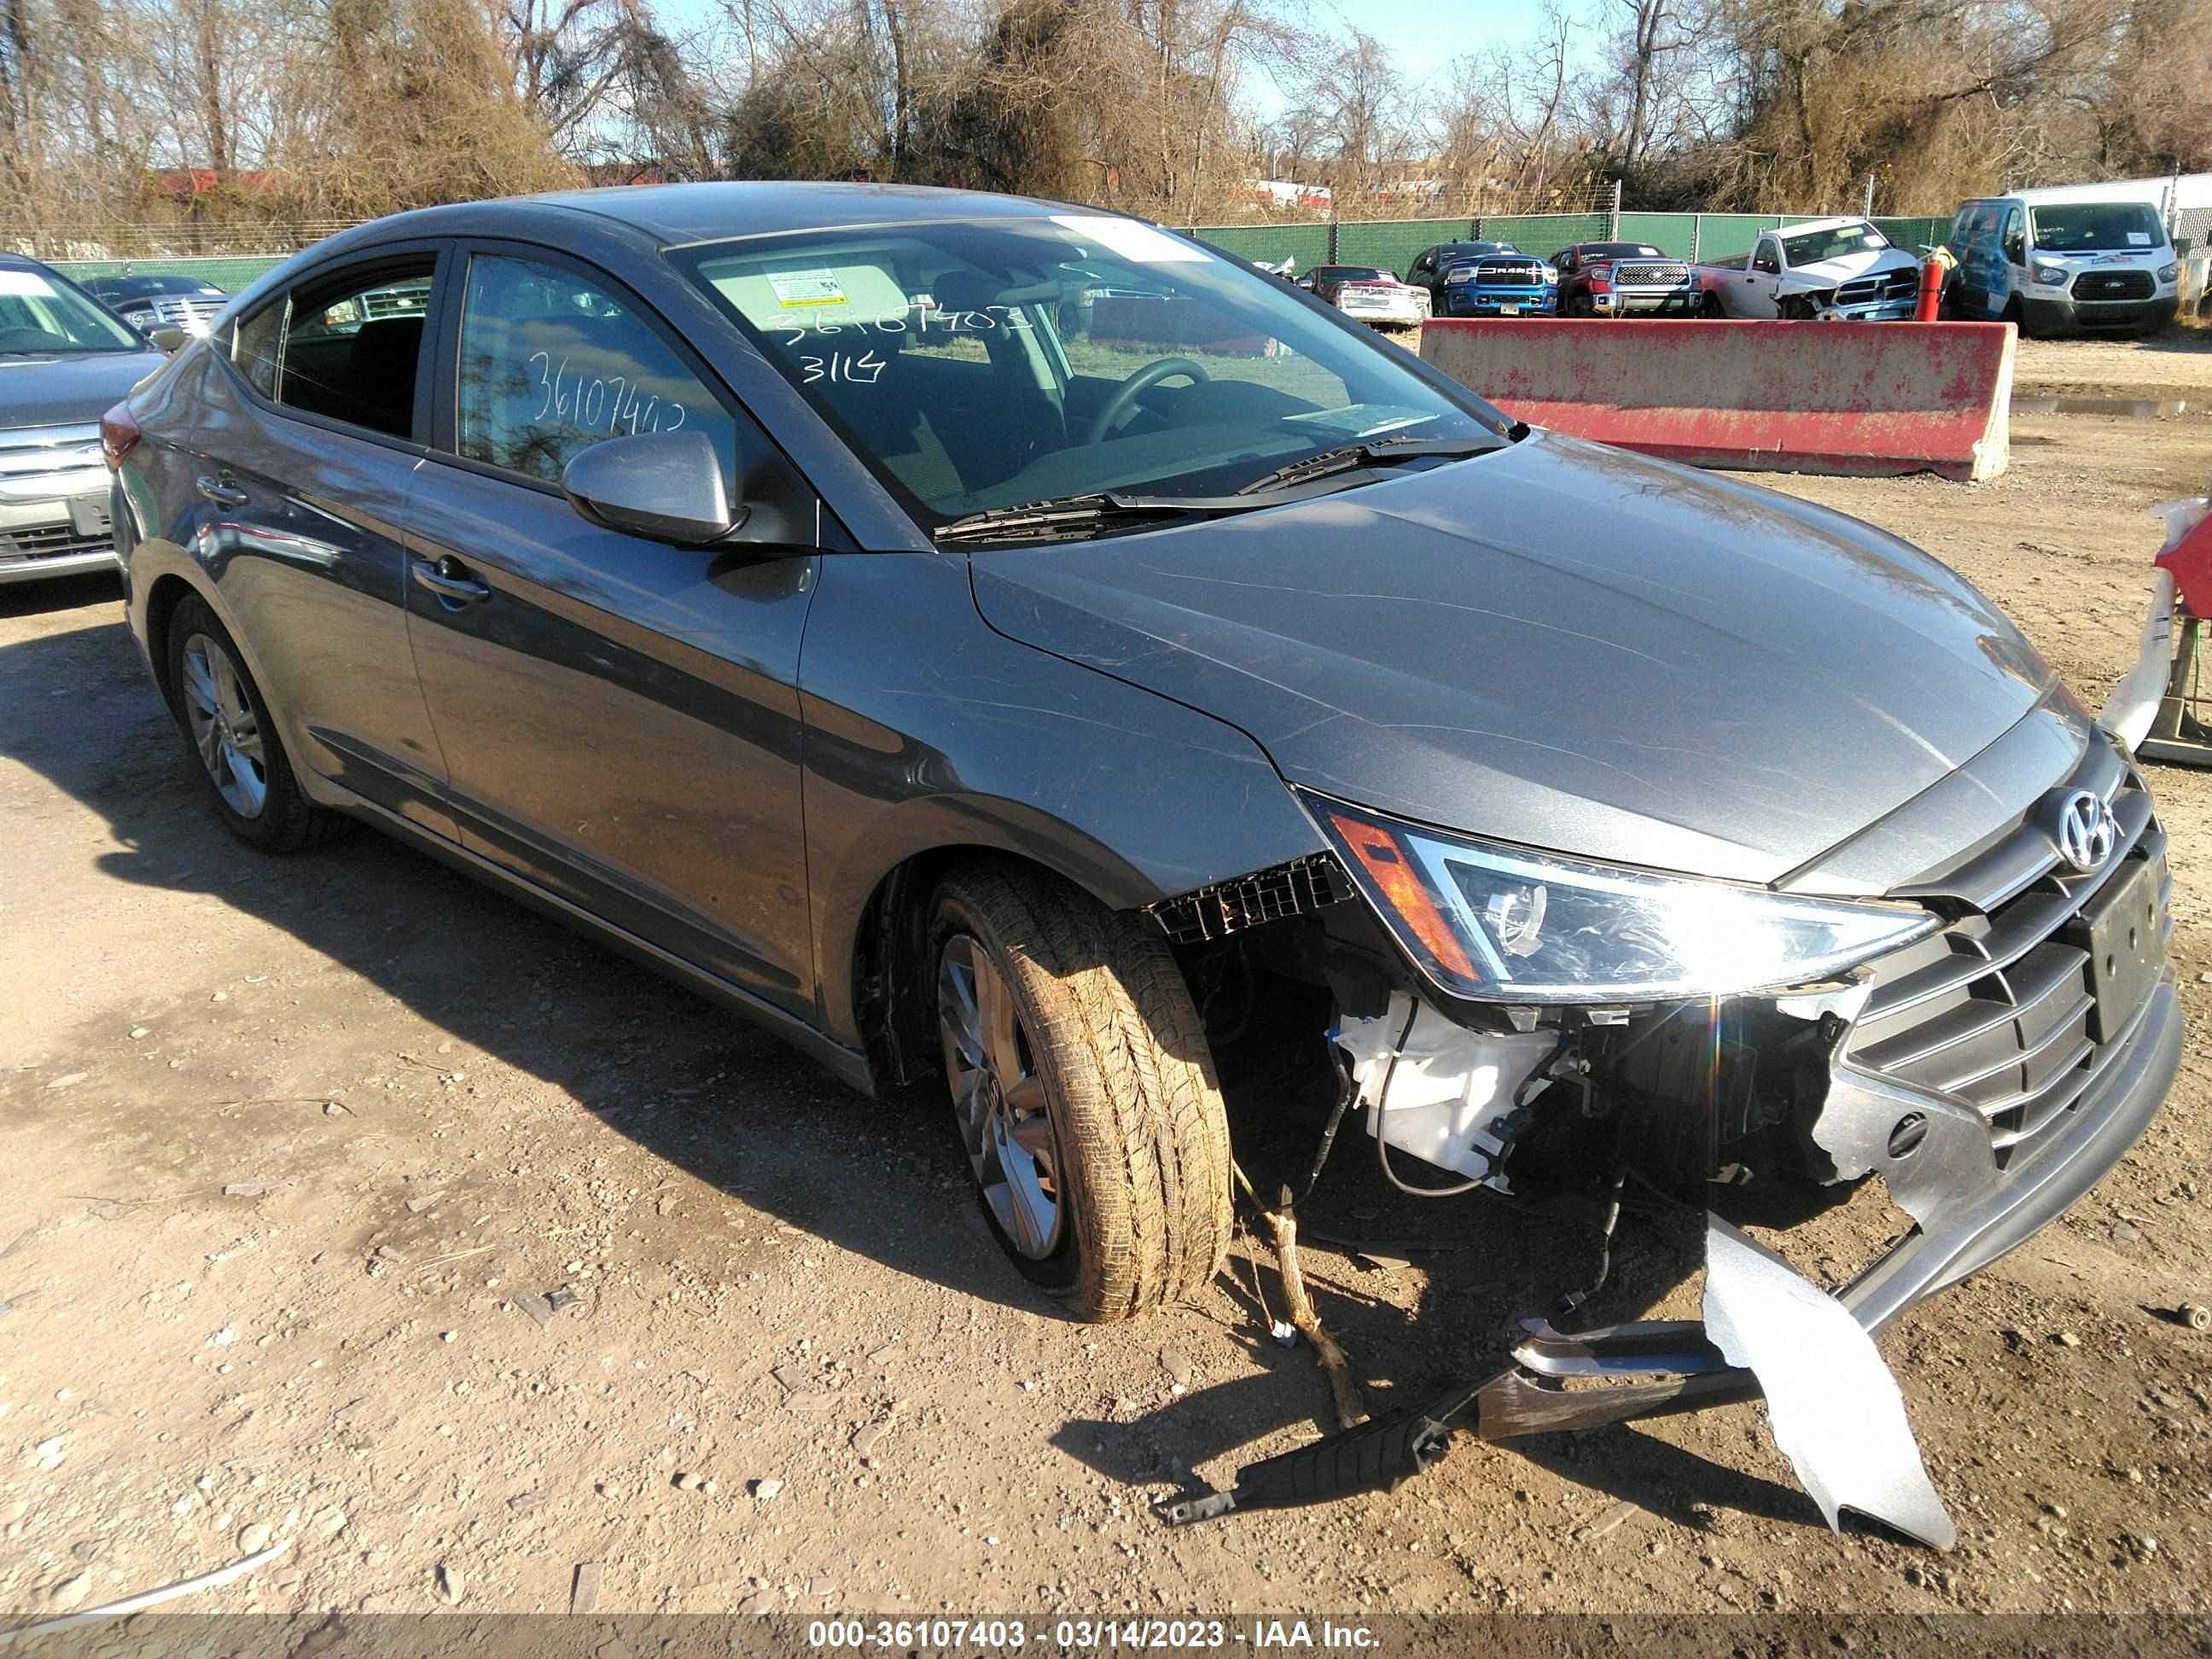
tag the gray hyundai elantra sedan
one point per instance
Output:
(1005, 640)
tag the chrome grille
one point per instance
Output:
(1889, 285)
(2113, 285)
(30, 454)
(190, 312)
(48, 541)
(1649, 276)
(1996, 1010)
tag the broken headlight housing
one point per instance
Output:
(1491, 922)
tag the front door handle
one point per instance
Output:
(449, 579)
(221, 494)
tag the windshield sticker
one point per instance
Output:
(2138, 239)
(25, 285)
(1131, 239)
(795, 289)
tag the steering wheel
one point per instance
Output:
(1126, 395)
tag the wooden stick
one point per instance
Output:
(1282, 1232)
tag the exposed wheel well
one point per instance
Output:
(893, 997)
(161, 603)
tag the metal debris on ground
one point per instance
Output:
(561, 1298)
(584, 1588)
(2195, 1314)
(535, 1306)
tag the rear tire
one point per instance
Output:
(234, 741)
(1083, 1089)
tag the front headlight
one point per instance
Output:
(1495, 923)
(1460, 274)
(2051, 275)
(2169, 274)
(1551, 275)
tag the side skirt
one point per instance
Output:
(848, 1066)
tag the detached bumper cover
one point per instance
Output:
(1971, 1213)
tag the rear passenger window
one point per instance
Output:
(353, 346)
(551, 364)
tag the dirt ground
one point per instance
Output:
(289, 1150)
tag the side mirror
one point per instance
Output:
(171, 340)
(667, 486)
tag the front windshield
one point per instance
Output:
(1811, 248)
(39, 315)
(983, 363)
(2096, 227)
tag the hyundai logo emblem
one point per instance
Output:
(2087, 833)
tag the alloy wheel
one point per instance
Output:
(225, 729)
(999, 1101)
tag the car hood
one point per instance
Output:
(1826, 273)
(65, 390)
(1557, 644)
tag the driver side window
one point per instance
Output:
(551, 364)
(1768, 258)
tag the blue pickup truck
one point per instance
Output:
(1486, 279)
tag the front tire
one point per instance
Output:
(1083, 1090)
(227, 725)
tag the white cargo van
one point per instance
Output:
(2063, 261)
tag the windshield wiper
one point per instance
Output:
(1368, 453)
(1072, 518)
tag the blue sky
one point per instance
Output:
(1423, 37)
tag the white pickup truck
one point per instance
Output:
(1832, 268)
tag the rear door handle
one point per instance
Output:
(449, 579)
(220, 493)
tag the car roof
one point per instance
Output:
(24, 262)
(152, 282)
(674, 214)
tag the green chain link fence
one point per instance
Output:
(229, 275)
(1396, 243)
(1392, 243)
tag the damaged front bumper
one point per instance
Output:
(1852, 1449)
(1990, 1072)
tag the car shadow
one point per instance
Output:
(58, 594)
(738, 1109)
